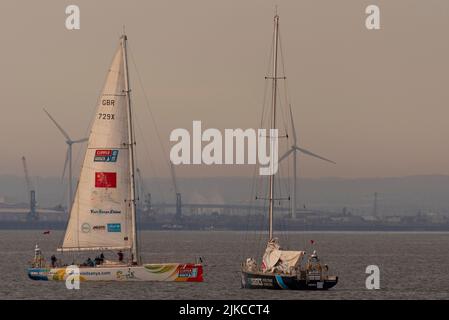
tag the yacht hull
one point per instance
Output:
(258, 280)
(148, 272)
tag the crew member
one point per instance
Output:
(120, 256)
(53, 261)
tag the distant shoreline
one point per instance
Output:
(44, 225)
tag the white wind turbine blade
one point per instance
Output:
(58, 126)
(293, 126)
(65, 164)
(313, 154)
(80, 140)
(286, 154)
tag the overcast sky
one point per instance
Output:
(376, 102)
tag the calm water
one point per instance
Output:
(413, 266)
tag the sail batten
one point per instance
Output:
(101, 214)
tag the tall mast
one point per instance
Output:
(135, 255)
(273, 118)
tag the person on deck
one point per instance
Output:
(101, 258)
(53, 261)
(89, 262)
(120, 256)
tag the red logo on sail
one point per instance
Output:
(105, 179)
(102, 153)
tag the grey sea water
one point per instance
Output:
(412, 265)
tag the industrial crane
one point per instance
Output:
(178, 214)
(146, 197)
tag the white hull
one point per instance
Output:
(147, 272)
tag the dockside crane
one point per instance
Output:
(32, 215)
(178, 214)
(146, 197)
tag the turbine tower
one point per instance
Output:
(294, 149)
(68, 158)
(375, 213)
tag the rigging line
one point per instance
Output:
(251, 203)
(283, 182)
(136, 206)
(286, 89)
(147, 104)
(147, 151)
(256, 181)
(263, 223)
(267, 73)
(260, 224)
(282, 108)
(255, 229)
(287, 100)
(285, 111)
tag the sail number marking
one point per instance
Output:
(106, 116)
(107, 102)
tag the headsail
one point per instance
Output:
(101, 214)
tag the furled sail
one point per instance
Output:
(276, 259)
(101, 216)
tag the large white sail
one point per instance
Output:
(101, 214)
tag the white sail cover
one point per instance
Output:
(275, 259)
(100, 217)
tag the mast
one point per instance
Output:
(70, 191)
(131, 142)
(273, 119)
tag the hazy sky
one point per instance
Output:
(376, 102)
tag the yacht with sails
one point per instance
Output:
(103, 213)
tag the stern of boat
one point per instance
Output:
(189, 272)
(38, 274)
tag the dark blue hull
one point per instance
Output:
(284, 282)
(38, 274)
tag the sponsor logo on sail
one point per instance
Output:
(101, 211)
(114, 227)
(105, 180)
(104, 155)
(85, 227)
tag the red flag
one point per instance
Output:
(46, 232)
(312, 241)
(105, 179)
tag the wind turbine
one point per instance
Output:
(294, 149)
(68, 158)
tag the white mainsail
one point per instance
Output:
(101, 217)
